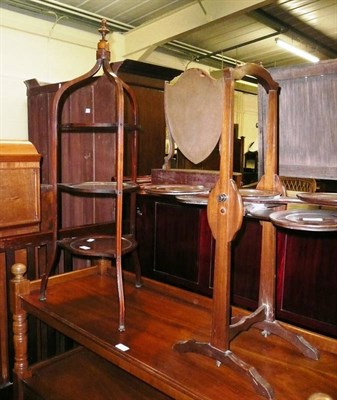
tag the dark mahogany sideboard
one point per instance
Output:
(176, 247)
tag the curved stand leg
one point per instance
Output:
(228, 357)
(240, 324)
(56, 253)
(267, 295)
(138, 270)
(258, 319)
(120, 288)
(298, 341)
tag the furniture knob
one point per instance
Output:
(320, 396)
(18, 270)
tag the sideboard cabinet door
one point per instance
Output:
(307, 280)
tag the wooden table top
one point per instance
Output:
(157, 317)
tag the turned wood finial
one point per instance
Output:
(18, 270)
(103, 30)
(103, 45)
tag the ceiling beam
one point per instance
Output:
(144, 39)
(289, 30)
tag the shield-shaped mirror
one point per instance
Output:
(194, 111)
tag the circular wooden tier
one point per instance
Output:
(264, 211)
(322, 199)
(97, 187)
(175, 189)
(258, 194)
(99, 126)
(306, 220)
(197, 199)
(98, 246)
(249, 195)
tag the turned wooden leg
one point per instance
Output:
(19, 286)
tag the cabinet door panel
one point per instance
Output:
(152, 121)
(176, 241)
(246, 255)
(39, 106)
(176, 246)
(307, 269)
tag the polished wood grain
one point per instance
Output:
(82, 305)
(19, 188)
(308, 299)
(58, 379)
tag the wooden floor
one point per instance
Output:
(157, 317)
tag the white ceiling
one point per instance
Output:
(234, 30)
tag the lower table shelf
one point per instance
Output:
(81, 374)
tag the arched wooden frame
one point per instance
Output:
(121, 89)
